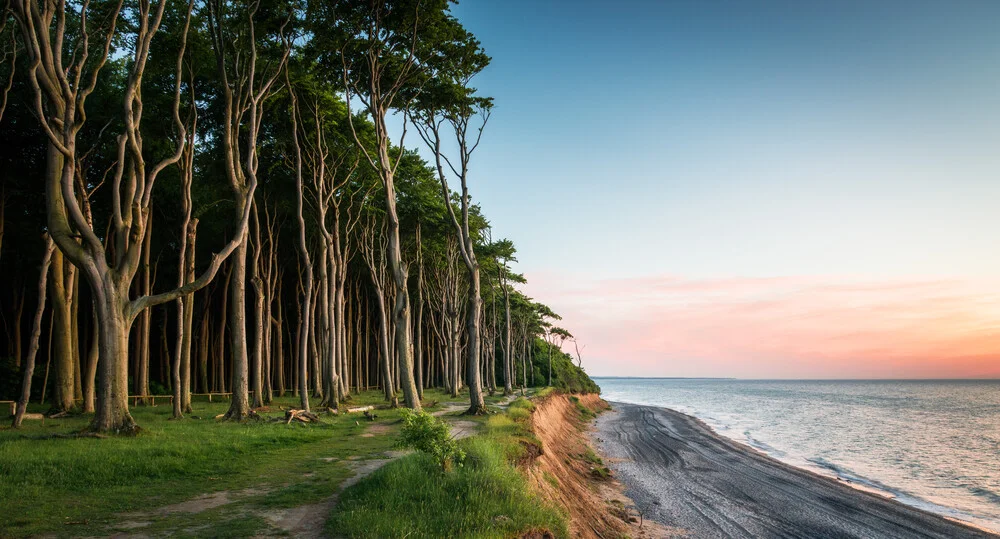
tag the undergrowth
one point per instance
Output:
(487, 497)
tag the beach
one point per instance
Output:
(682, 475)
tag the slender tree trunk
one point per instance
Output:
(62, 398)
(257, 368)
(36, 331)
(279, 345)
(142, 364)
(16, 337)
(508, 388)
(75, 339)
(92, 354)
(472, 373)
(383, 342)
(187, 340)
(203, 348)
(239, 405)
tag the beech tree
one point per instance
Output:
(245, 93)
(61, 92)
(447, 100)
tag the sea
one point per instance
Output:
(931, 444)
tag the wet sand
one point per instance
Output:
(683, 475)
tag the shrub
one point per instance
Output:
(428, 434)
(519, 414)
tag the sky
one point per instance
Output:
(751, 188)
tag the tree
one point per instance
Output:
(60, 99)
(447, 99)
(233, 26)
(382, 51)
(36, 331)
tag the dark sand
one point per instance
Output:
(682, 475)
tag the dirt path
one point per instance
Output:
(308, 521)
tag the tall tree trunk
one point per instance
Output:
(473, 376)
(279, 363)
(142, 363)
(508, 388)
(203, 347)
(36, 331)
(257, 368)
(239, 405)
(383, 342)
(111, 413)
(16, 336)
(75, 340)
(187, 339)
(62, 350)
(90, 377)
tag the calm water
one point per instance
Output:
(931, 444)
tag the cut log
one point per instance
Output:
(357, 409)
(300, 415)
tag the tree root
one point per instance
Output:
(477, 410)
(238, 417)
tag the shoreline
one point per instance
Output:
(688, 476)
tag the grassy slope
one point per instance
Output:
(487, 497)
(85, 486)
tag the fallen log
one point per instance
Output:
(300, 415)
(357, 409)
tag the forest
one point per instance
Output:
(234, 200)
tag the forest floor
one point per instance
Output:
(198, 476)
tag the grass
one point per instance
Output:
(85, 486)
(544, 392)
(487, 497)
(585, 413)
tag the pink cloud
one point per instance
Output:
(788, 327)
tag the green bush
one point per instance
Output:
(488, 498)
(566, 376)
(428, 434)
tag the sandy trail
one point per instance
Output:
(683, 475)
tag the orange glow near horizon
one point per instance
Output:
(789, 327)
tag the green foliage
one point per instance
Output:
(566, 375)
(426, 433)
(488, 497)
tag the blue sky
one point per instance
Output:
(721, 138)
(751, 188)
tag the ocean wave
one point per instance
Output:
(763, 446)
